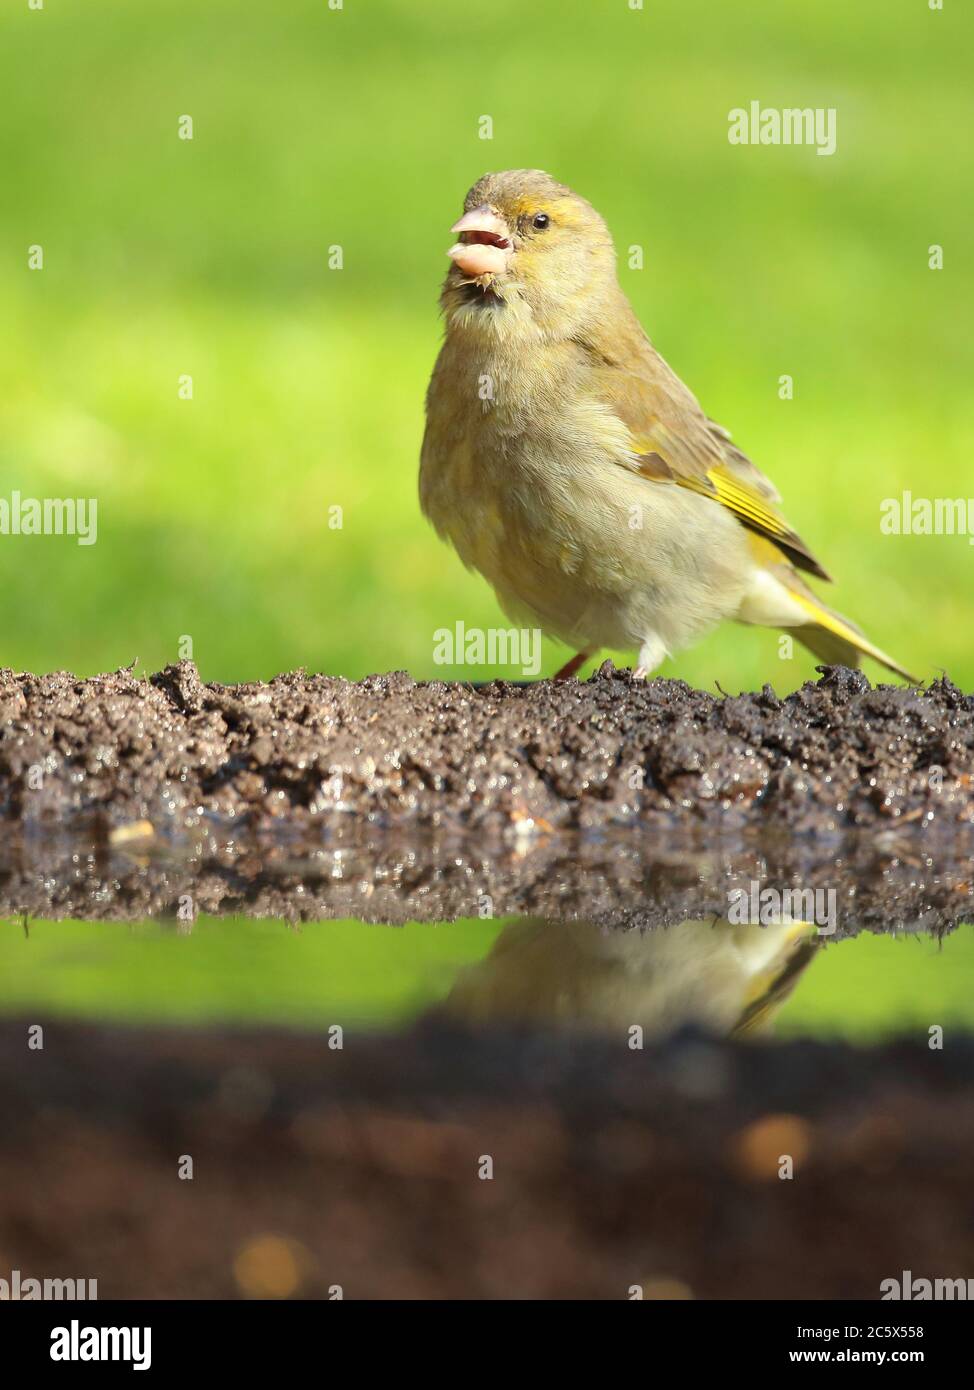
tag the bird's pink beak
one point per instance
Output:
(484, 247)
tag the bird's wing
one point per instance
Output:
(674, 441)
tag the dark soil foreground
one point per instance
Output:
(306, 750)
(315, 1167)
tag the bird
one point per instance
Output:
(729, 979)
(569, 465)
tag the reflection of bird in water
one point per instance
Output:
(715, 975)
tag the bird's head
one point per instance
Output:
(528, 249)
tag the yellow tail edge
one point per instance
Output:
(836, 640)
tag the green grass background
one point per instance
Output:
(359, 127)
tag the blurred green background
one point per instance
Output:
(358, 127)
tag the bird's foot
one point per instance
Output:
(651, 654)
(570, 667)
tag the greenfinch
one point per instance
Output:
(572, 468)
(714, 975)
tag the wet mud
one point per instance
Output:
(911, 878)
(302, 751)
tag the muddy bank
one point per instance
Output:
(303, 750)
(909, 878)
(314, 1167)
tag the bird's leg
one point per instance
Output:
(570, 667)
(651, 654)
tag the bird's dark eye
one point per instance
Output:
(540, 220)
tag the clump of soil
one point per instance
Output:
(303, 750)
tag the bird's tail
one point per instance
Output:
(779, 597)
(836, 639)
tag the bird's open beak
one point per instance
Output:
(484, 247)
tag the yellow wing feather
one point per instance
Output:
(674, 441)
